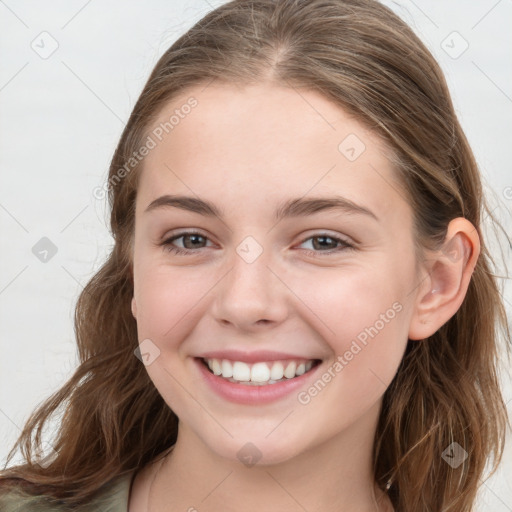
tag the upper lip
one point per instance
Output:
(252, 356)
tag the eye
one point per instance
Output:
(190, 238)
(325, 243)
(328, 242)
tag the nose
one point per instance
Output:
(250, 296)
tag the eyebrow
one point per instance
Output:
(300, 207)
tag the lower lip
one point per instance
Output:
(252, 395)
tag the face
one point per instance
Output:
(262, 278)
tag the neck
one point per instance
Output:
(333, 475)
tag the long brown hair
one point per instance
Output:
(364, 58)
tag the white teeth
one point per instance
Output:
(216, 369)
(258, 373)
(241, 371)
(289, 372)
(227, 368)
(277, 371)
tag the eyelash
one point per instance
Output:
(167, 244)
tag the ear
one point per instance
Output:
(134, 308)
(448, 274)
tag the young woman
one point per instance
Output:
(299, 312)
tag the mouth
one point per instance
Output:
(261, 373)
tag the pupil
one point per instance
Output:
(322, 238)
(192, 237)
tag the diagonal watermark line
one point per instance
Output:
(216, 487)
(14, 76)
(7, 416)
(426, 276)
(211, 6)
(13, 279)
(497, 497)
(209, 83)
(377, 377)
(280, 423)
(390, 184)
(424, 14)
(13, 13)
(301, 300)
(14, 218)
(492, 81)
(74, 218)
(199, 403)
(75, 15)
(92, 92)
(200, 299)
(291, 496)
(485, 15)
(71, 275)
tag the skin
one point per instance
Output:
(248, 149)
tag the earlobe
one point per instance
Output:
(134, 308)
(448, 276)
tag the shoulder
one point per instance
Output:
(112, 498)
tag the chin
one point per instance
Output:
(259, 451)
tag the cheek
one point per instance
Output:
(362, 316)
(168, 308)
(349, 300)
(167, 298)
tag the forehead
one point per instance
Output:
(264, 141)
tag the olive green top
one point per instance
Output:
(114, 498)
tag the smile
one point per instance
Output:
(259, 382)
(259, 373)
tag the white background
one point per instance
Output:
(61, 118)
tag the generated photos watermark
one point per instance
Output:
(357, 345)
(156, 136)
